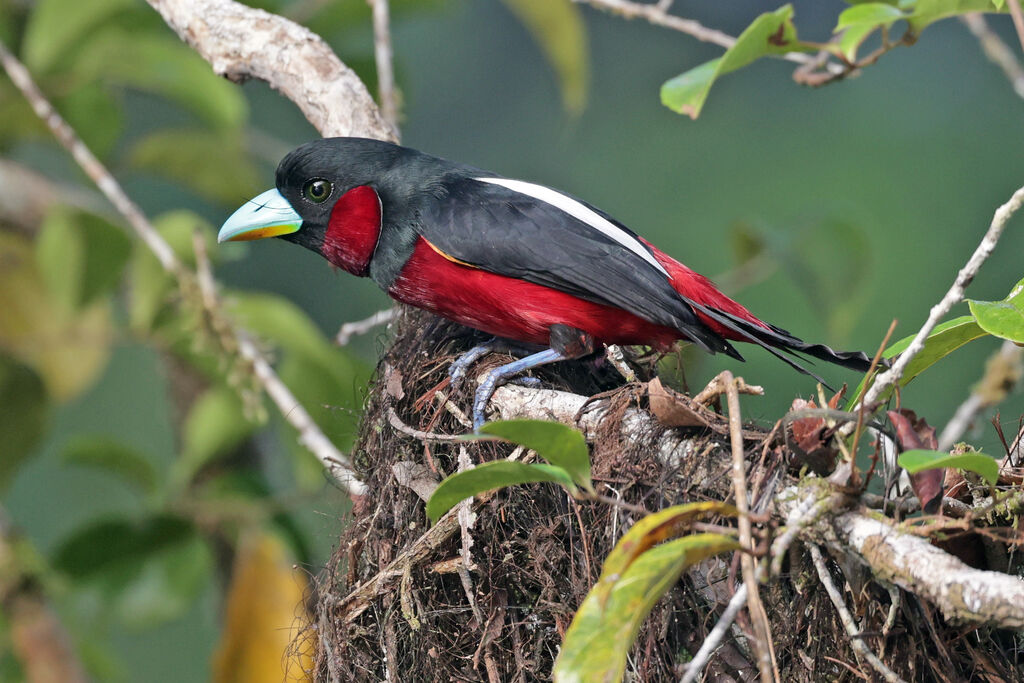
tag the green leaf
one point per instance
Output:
(152, 288)
(914, 461)
(649, 531)
(771, 33)
(146, 572)
(487, 477)
(215, 425)
(1004, 319)
(944, 340)
(602, 632)
(58, 26)
(927, 12)
(24, 415)
(558, 29)
(80, 256)
(213, 164)
(69, 349)
(873, 14)
(60, 257)
(112, 456)
(852, 38)
(164, 66)
(95, 114)
(557, 443)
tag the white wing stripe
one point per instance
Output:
(580, 212)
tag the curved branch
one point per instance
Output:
(964, 594)
(240, 43)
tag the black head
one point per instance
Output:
(314, 176)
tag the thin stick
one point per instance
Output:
(985, 393)
(658, 15)
(359, 327)
(996, 50)
(762, 630)
(400, 426)
(310, 434)
(952, 297)
(1018, 19)
(714, 638)
(384, 56)
(851, 626)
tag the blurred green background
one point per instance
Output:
(829, 212)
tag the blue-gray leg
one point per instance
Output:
(460, 367)
(500, 375)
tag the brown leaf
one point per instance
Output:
(671, 408)
(810, 443)
(914, 432)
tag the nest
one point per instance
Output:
(393, 606)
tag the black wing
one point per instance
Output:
(509, 233)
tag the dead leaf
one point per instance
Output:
(670, 407)
(913, 432)
(810, 441)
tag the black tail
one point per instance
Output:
(779, 342)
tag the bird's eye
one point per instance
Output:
(317, 190)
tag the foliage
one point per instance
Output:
(774, 33)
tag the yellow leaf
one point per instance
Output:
(67, 348)
(266, 633)
(558, 28)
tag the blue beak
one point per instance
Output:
(268, 215)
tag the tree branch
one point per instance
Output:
(240, 43)
(963, 594)
(954, 296)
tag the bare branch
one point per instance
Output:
(358, 327)
(954, 296)
(659, 15)
(963, 594)
(240, 43)
(710, 644)
(383, 55)
(762, 631)
(1002, 373)
(1018, 19)
(844, 616)
(996, 50)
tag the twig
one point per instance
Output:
(1018, 19)
(617, 358)
(952, 297)
(710, 644)
(34, 634)
(383, 55)
(762, 630)
(400, 426)
(658, 15)
(844, 615)
(309, 433)
(996, 50)
(89, 163)
(1002, 372)
(359, 327)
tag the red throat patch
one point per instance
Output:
(353, 230)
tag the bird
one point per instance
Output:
(520, 261)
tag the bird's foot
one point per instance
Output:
(498, 376)
(528, 382)
(457, 371)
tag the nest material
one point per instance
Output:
(536, 553)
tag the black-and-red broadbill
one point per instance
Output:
(514, 259)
